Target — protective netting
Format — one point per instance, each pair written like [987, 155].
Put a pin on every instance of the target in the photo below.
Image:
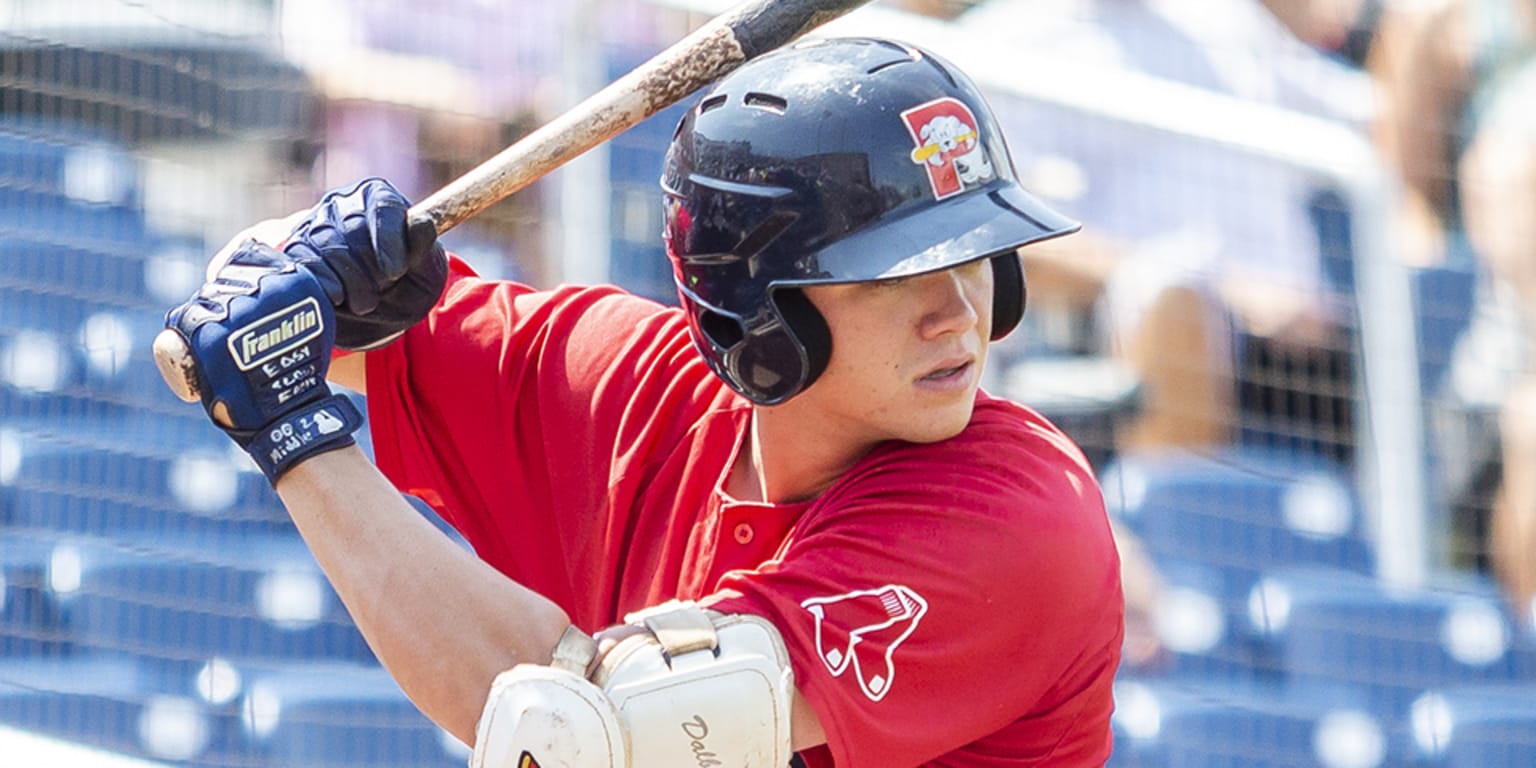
[1301, 421]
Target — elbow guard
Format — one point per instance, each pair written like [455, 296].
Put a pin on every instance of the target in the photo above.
[696, 689]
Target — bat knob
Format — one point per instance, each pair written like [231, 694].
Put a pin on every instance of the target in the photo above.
[175, 362]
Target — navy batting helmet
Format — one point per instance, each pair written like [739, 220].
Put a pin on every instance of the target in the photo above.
[835, 161]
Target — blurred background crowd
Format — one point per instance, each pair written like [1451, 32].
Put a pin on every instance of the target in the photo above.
[1294, 337]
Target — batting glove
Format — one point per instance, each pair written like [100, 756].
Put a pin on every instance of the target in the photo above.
[260, 333]
[382, 273]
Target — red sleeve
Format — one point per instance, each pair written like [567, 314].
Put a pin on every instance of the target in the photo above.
[512, 410]
[954, 604]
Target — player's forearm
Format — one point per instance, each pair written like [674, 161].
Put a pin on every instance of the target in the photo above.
[443, 622]
[350, 371]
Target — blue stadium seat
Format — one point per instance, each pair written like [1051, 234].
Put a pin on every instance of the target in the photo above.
[114, 351]
[71, 504]
[112, 703]
[65, 160]
[178, 602]
[61, 262]
[47, 391]
[28, 309]
[1393, 643]
[1257, 725]
[139, 471]
[111, 275]
[1477, 726]
[32, 156]
[1239, 510]
[1200, 625]
[35, 217]
[341, 715]
[37, 371]
[30, 621]
[62, 358]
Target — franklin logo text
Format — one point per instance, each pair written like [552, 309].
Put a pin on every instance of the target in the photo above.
[276, 334]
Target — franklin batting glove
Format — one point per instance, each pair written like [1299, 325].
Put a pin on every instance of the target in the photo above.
[260, 333]
[381, 273]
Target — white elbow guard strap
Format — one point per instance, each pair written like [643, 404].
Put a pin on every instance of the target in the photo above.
[697, 689]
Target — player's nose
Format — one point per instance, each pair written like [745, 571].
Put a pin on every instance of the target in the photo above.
[949, 302]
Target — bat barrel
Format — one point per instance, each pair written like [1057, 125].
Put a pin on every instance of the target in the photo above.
[760, 27]
[725, 43]
[720, 46]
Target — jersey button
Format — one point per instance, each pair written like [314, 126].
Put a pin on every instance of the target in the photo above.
[743, 533]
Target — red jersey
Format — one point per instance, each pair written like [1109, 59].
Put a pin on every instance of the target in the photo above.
[955, 603]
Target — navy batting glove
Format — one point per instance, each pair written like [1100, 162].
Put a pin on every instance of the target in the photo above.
[261, 334]
[382, 273]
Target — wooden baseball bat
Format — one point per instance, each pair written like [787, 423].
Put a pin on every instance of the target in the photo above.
[724, 43]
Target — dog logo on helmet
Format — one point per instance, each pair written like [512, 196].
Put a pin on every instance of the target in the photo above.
[949, 146]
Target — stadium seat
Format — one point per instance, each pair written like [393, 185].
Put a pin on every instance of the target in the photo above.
[30, 623]
[1238, 510]
[64, 357]
[114, 352]
[113, 704]
[111, 275]
[36, 370]
[45, 390]
[23, 309]
[1257, 725]
[57, 352]
[73, 243]
[73, 505]
[135, 472]
[341, 715]
[1395, 644]
[61, 159]
[180, 602]
[35, 217]
[1201, 625]
[1478, 726]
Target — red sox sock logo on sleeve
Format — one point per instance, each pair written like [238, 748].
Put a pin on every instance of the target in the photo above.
[949, 145]
[861, 630]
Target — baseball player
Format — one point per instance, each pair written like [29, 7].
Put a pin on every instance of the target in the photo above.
[779, 524]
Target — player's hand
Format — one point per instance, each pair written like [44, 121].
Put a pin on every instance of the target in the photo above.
[381, 273]
[260, 332]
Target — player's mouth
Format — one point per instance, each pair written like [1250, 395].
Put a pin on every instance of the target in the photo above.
[951, 374]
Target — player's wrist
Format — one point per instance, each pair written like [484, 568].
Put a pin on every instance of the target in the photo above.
[322, 425]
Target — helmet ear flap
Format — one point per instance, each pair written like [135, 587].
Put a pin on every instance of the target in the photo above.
[808, 327]
[1009, 293]
[768, 365]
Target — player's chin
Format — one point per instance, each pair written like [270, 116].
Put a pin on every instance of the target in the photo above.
[937, 424]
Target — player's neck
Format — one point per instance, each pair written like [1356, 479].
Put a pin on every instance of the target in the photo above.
[782, 462]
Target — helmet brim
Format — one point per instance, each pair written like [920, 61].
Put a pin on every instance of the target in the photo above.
[965, 229]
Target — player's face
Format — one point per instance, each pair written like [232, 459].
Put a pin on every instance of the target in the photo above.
[906, 354]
